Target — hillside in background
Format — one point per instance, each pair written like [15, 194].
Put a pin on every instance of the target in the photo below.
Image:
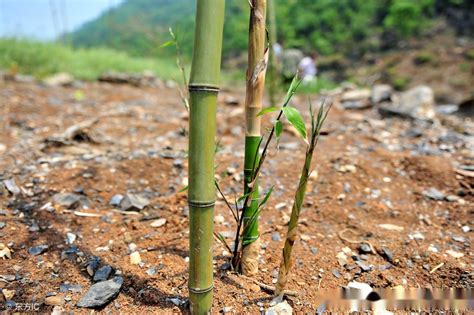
[348, 27]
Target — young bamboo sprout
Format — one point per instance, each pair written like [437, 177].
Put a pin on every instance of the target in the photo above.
[295, 119]
[203, 88]
[257, 65]
[292, 233]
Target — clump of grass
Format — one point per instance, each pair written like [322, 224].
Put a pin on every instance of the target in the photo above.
[423, 58]
[469, 54]
[43, 59]
[400, 83]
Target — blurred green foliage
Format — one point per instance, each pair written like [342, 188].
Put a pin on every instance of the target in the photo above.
[43, 59]
[328, 26]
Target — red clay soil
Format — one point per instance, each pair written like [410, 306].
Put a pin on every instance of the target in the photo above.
[367, 173]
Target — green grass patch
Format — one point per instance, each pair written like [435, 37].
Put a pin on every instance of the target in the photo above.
[43, 59]
[321, 83]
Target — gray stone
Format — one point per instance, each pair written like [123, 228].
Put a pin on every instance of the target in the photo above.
[92, 265]
[336, 273]
[276, 236]
[116, 200]
[38, 250]
[447, 109]
[11, 186]
[2, 225]
[364, 267]
[290, 60]
[101, 293]
[70, 201]
[356, 99]
[133, 202]
[434, 194]
[151, 271]
[365, 248]
[460, 239]
[103, 273]
[386, 253]
[416, 103]
[381, 93]
[74, 288]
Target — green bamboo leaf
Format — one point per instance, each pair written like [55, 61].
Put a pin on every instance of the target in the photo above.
[173, 36]
[184, 189]
[265, 199]
[268, 110]
[242, 198]
[167, 44]
[295, 119]
[295, 83]
[278, 129]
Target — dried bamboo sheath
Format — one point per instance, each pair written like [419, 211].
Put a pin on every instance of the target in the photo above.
[257, 64]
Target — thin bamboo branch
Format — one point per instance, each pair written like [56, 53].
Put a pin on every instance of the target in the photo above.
[235, 215]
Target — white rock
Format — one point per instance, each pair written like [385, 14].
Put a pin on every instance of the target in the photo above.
[391, 227]
[418, 102]
[219, 219]
[381, 92]
[417, 236]
[135, 258]
[355, 95]
[454, 253]
[280, 309]
[280, 206]
[158, 223]
[466, 229]
[5, 252]
[59, 79]
[132, 247]
[364, 288]
[71, 237]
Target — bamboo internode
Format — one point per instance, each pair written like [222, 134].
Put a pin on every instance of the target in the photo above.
[203, 88]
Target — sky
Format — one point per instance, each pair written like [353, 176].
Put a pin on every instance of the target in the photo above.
[46, 19]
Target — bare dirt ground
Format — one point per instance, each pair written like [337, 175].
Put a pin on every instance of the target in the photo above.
[369, 183]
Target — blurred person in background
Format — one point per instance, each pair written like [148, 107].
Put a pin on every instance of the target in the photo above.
[307, 68]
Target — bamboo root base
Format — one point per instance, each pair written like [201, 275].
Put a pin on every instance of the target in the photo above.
[250, 255]
[270, 288]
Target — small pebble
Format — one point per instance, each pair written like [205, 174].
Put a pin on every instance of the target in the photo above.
[135, 258]
[276, 236]
[38, 250]
[158, 223]
[71, 238]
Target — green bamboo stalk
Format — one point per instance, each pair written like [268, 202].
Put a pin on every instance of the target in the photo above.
[257, 64]
[292, 233]
[203, 88]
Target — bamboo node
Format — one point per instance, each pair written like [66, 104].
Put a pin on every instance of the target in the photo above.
[203, 88]
[199, 290]
[201, 204]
